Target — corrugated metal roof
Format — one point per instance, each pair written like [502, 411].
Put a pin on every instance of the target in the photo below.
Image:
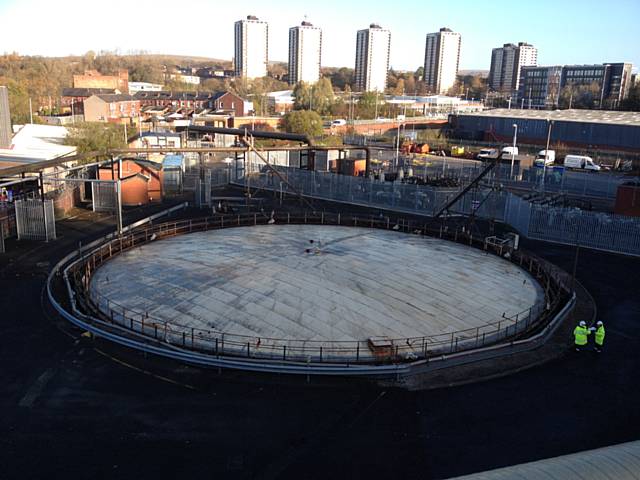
[620, 462]
[173, 161]
[586, 116]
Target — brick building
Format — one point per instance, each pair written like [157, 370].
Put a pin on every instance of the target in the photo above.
[215, 102]
[94, 79]
[141, 182]
[115, 108]
[75, 97]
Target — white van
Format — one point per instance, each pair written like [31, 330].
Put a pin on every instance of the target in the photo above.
[509, 151]
[487, 153]
[580, 162]
[545, 157]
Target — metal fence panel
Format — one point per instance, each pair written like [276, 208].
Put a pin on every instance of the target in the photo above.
[540, 222]
[35, 220]
[596, 230]
[172, 181]
[104, 196]
[420, 199]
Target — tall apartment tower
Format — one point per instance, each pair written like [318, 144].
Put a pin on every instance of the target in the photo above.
[251, 48]
[506, 66]
[441, 60]
[5, 118]
[305, 53]
[373, 48]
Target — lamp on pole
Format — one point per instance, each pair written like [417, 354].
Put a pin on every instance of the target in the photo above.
[513, 152]
[546, 152]
[399, 119]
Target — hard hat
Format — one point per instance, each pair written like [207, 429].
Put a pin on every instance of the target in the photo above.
[583, 324]
[599, 322]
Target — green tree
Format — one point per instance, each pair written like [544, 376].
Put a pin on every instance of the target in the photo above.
[318, 97]
[473, 86]
[96, 137]
[340, 78]
[632, 102]
[18, 101]
[366, 106]
[302, 96]
[303, 122]
[400, 87]
[580, 96]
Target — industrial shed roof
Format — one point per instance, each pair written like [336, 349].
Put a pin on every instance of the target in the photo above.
[586, 116]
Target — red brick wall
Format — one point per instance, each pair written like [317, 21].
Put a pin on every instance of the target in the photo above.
[129, 167]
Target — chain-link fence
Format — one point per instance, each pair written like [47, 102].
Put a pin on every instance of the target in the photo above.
[536, 221]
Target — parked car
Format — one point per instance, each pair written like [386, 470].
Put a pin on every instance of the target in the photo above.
[340, 122]
[581, 162]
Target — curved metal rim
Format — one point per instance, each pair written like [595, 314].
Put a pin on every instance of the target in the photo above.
[147, 344]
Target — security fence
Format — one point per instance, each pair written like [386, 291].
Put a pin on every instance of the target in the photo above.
[553, 179]
[569, 226]
[35, 220]
[109, 312]
[104, 196]
[396, 196]
[601, 231]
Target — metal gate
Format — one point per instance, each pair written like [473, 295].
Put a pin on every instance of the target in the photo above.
[35, 220]
[172, 181]
[105, 197]
[203, 190]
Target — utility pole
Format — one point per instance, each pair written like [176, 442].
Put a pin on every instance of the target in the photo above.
[546, 152]
[513, 152]
[30, 112]
[376, 115]
[119, 202]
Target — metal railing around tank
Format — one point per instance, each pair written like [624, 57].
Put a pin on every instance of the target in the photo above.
[384, 351]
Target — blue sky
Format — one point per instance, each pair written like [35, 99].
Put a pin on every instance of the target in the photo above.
[565, 31]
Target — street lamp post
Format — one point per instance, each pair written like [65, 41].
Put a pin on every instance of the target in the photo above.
[546, 152]
[376, 116]
[397, 159]
[513, 152]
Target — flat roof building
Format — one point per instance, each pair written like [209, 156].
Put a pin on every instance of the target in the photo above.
[612, 81]
[603, 129]
[251, 48]
[597, 86]
[441, 60]
[373, 48]
[540, 87]
[305, 53]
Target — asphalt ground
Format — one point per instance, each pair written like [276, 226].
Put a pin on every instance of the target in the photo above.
[73, 408]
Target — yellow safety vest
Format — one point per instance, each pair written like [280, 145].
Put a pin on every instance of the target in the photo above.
[580, 334]
[600, 335]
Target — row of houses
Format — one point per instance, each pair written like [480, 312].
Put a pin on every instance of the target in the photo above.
[109, 105]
